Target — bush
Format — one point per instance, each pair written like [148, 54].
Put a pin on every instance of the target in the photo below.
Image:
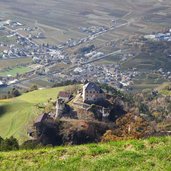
[144, 108]
[31, 144]
[9, 144]
[33, 88]
[13, 93]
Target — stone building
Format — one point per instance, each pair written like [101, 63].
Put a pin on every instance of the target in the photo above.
[62, 99]
[66, 96]
[92, 93]
[60, 106]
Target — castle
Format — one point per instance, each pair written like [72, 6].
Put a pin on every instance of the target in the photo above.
[92, 93]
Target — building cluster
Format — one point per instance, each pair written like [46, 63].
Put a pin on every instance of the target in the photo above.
[18, 42]
[93, 29]
[165, 36]
[105, 74]
[7, 81]
[47, 56]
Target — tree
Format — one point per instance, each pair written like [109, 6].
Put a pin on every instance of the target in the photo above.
[15, 92]
[1, 139]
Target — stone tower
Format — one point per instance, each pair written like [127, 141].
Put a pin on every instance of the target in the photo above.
[60, 105]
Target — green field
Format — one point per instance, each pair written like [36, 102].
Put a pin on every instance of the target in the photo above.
[15, 71]
[17, 114]
[10, 63]
[165, 92]
[5, 39]
[140, 155]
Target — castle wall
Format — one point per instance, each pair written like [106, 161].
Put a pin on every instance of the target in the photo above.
[92, 96]
[60, 106]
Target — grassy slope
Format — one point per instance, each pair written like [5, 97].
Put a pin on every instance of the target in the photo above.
[151, 154]
[16, 114]
[163, 89]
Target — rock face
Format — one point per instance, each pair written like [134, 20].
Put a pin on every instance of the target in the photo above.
[66, 132]
[75, 132]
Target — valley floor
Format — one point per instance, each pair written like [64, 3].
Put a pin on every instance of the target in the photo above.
[150, 154]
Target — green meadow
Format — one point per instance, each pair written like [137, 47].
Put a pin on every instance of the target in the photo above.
[134, 155]
[16, 115]
[15, 71]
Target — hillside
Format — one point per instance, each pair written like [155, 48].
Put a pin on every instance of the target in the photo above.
[151, 154]
[16, 114]
[151, 56]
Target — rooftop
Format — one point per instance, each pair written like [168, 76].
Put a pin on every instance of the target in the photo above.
[64, 94]
[92, 86]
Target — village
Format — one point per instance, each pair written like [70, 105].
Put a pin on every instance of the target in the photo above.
[46, 56]
[79, 65]
[160, 36]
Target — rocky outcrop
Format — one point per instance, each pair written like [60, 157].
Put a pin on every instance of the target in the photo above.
[65, 132]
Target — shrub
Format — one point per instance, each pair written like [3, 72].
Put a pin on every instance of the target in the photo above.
[33, 87]
[9, 144]
[31, 144]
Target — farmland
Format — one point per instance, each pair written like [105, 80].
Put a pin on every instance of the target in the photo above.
[61, 19]
[14, 71]
[13, 62]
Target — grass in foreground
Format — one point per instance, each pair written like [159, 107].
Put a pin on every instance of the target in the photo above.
[16, 114]
[151, 154]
